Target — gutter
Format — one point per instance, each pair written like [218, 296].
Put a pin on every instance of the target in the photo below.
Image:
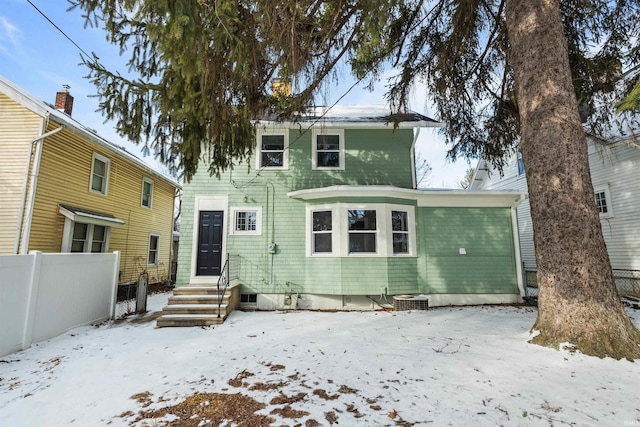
[36, 167]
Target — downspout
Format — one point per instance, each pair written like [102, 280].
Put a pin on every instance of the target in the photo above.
[414, 179]
[516, 242]
[17, 247]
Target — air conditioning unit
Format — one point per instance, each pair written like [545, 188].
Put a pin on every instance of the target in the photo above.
[410, 302]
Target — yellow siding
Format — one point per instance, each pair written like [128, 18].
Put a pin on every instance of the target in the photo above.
[18, 126]
[64, 178]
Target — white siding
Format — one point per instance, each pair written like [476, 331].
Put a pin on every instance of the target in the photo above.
[618, 167]
[614, 166]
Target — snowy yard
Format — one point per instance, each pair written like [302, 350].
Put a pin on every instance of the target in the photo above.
[447, 366]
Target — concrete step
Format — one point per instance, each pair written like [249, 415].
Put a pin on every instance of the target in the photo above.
[197, 299]
[194, 309]
[187, 320]
[196, 290]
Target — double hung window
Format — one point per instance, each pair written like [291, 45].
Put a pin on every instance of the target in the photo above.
[154, 250]
[328, 149]
[400, 232]
[322, 228]
[147, 193]
[272, 150]
[99, 174]
[89, 237]
[362, 230]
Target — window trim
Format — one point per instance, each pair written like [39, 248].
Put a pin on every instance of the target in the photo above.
[314, 233]
[149, 181]
[249, 296]
[314, 148]
[107, 162]
[257, 209]
[520, 164]
[375, 232]
[607, 196]
[285, 151]
[340, 230]
[157, 250]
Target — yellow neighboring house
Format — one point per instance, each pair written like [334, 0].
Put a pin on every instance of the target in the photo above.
[63, 188]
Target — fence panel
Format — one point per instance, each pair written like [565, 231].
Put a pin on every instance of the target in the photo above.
[78, 290]
[44, 295]
[14, 296]
[627, 282]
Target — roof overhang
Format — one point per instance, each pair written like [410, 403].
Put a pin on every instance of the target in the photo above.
[423, 198]
[348, 125]
[87, 216]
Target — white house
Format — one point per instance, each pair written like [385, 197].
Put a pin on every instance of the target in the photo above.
[615, 173]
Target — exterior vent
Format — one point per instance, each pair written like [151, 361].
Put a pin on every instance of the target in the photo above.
[410, 302]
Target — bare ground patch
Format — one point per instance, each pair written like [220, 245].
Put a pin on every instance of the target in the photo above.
[212, 409]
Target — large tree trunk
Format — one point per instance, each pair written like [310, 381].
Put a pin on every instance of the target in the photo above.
[578, 302]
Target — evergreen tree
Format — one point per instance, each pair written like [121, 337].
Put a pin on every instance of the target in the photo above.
[497, 70]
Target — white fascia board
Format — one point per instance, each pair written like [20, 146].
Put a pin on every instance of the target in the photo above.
[348, 125]
[424, 198]
[84, 217]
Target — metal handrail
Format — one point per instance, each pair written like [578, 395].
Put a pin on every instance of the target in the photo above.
[224, 278]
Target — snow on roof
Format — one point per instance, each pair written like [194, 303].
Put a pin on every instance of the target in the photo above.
[44, 109]
[366, 114]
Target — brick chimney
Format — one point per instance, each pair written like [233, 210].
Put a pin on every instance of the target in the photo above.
[281, 87]
[64, 100]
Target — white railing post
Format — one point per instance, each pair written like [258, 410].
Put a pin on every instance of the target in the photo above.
[116, 277]
[32, 300]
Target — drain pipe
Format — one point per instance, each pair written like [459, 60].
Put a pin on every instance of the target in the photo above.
[414, 178]
[32, 189]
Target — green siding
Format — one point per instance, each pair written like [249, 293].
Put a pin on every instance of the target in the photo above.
[374, 157]
[485, 233]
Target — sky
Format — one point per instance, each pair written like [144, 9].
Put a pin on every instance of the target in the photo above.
[40, 59]
[456, 366]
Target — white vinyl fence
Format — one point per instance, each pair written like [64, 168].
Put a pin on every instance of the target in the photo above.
[43, 295]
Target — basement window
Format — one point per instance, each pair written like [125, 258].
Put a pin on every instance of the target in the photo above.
[249, 298]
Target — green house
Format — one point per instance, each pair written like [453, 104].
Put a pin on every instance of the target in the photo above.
[326, 216]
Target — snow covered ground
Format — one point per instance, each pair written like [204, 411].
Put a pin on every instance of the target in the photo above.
[446, 366]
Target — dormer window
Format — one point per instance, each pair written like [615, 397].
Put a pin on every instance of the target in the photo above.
[273, 150]
[328, 149]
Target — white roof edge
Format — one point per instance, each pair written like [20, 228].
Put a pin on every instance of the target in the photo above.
[348, 125]
[455, 196]
[40, 108]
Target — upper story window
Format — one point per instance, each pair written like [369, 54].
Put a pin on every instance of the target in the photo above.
[603, 201]
[521, 170]
[99, 174]
[328, 149]
[147, 193]
[273, 150]
[247, 220]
